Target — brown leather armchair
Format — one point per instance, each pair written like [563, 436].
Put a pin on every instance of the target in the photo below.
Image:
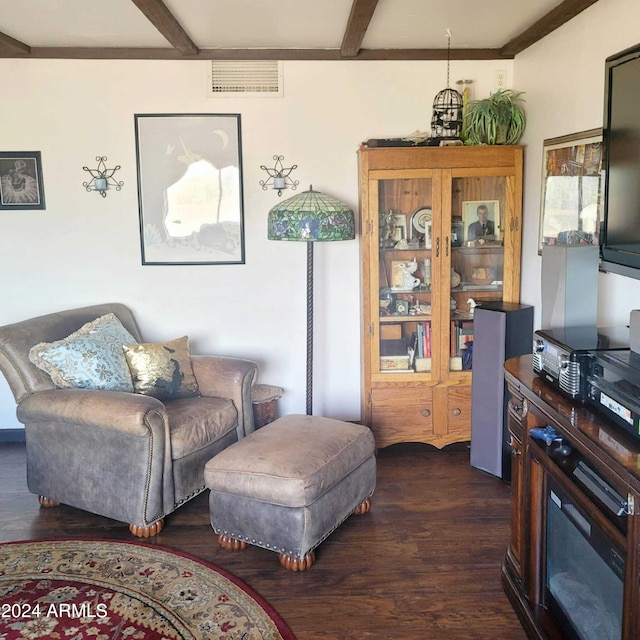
[122, 455]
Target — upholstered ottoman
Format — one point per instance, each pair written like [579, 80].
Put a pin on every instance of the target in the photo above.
[287, 486]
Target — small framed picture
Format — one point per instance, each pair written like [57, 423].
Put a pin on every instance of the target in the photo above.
[397, 274]
[402, 307]
[21, 185]
[481, 220]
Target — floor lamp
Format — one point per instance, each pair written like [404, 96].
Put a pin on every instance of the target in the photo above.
[311, 217]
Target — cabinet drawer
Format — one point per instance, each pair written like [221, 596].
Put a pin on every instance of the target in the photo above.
[459, 410]
[401, 414]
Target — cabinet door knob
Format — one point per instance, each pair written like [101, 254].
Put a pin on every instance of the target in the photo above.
[457, 412]
[426, 413]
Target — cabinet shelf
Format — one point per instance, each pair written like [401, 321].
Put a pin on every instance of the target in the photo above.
[431, 406]
[391, 319]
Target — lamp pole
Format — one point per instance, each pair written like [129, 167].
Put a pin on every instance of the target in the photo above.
[310, 328]
[309, 217]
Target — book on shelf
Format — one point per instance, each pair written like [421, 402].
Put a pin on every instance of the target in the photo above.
[461, 334]
[423, 331]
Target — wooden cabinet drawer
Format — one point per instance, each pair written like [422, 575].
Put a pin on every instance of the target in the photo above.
[459, 413]
[401, 414]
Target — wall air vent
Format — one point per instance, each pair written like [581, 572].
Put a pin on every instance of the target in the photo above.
[245, 78]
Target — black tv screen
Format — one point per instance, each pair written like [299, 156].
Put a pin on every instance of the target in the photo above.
[621, 136]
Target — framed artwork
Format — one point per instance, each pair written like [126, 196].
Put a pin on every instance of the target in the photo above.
[21, 185]
[481, 220]
[571, 182]
[190, 194]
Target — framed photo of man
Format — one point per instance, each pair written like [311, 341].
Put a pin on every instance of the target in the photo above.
[481, 220]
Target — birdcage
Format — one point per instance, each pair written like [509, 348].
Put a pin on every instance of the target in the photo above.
[446, 121]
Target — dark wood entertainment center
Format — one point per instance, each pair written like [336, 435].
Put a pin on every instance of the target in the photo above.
[605, 448]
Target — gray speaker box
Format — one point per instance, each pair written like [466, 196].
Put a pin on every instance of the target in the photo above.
[569, 286]
[501, 330]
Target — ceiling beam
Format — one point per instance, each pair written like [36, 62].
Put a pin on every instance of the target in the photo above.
[564, 12]
[359, 19]
[124, 53]
[13, 45]
[162, 19]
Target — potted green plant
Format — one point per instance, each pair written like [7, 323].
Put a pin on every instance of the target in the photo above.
[498, 119]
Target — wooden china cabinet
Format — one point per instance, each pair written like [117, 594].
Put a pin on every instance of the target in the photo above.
[422, 273]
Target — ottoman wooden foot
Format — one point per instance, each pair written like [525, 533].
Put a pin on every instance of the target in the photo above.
[231, 544]
[48, 502]
[293, 563]
[363, 507]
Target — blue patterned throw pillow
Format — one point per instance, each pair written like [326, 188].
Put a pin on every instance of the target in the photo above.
[90, 358]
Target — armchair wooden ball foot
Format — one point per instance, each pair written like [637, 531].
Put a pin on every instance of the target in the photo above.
[47, 502]
[293, 563]
[363, 507]
[231, 544]
[148, 531]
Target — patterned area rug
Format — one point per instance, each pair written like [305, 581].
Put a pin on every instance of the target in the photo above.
[107, 590]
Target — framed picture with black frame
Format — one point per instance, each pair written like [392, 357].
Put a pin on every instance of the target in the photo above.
[21, 184]
[190, 194]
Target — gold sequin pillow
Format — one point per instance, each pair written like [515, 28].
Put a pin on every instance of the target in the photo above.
[162, 369]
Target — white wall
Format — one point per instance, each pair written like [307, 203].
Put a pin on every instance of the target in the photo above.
[85, 249]
[563, 76]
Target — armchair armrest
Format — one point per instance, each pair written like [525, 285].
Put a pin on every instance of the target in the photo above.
[107, 452]
[227, 377]
[126, 412]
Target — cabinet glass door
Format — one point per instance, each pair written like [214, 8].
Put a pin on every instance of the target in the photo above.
[480, 215]
[407, 216]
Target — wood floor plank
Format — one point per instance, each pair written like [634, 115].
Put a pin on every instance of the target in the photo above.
[423, 564]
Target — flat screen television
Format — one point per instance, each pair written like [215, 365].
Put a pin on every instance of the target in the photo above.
[620, 245]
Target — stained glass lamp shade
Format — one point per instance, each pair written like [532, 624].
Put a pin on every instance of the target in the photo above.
[311, 217]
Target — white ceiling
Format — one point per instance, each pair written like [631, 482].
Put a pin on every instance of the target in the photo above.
[284, 24]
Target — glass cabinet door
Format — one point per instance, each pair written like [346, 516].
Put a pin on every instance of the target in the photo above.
[408, 290]
[480, 219]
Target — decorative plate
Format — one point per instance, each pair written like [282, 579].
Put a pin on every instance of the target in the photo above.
[420, 217]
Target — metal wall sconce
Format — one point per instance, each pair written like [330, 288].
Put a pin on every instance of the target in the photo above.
[102, 178]
[279, 176]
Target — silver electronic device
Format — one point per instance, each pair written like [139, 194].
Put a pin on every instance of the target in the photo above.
[562, 356]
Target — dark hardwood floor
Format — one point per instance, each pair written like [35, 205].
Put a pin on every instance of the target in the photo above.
[423, 564]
